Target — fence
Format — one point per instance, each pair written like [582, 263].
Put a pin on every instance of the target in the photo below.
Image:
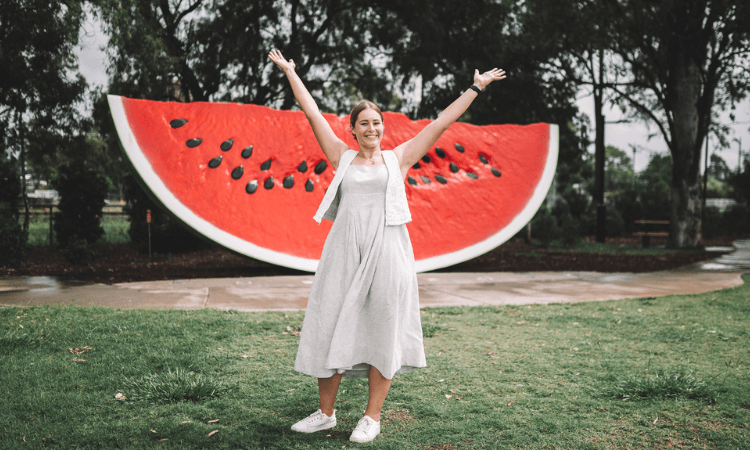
[39, 214]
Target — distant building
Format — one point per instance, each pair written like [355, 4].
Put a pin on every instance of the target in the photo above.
[722, 204]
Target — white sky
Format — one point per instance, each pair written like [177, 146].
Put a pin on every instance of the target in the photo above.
[92, 64]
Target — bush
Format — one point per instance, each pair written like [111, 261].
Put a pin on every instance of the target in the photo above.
[77, 251]
[544, 227]
[78, 224]
[168, 234]
[12, 236]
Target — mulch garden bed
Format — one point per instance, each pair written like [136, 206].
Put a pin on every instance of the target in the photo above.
[118, 263]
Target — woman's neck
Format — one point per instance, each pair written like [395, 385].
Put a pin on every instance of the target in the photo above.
[369, 153]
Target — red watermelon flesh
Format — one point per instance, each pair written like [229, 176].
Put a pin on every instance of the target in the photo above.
[472, 191]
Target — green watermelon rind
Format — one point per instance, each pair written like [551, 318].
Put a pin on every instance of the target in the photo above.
[228, 240]
[510, 230]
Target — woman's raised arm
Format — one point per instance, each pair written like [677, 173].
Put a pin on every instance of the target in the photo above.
[332, 146]
[412, 150]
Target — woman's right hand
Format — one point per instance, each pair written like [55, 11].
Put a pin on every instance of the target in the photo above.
[278, 59]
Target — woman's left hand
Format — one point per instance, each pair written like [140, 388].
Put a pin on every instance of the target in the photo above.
[483, 79]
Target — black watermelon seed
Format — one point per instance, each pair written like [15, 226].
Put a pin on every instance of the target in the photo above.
[416, 166]
[302, 167]
[266, 165]
[251, 187]
[454, 168]
[496, 172]
[441, 179]
[459, 148]
[177, 123]
[237, 173]
[268, 184]
[440, 152]
[226, 145]
[472, 175]
[247, 152]
[214, 163]
[425, 180]
[309, 186]
[483, 159]
[194, 142]
[288, 182]
[426, 158]
[411, 180]
[320, 167]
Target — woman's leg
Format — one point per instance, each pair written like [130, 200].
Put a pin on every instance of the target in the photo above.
[327, 388]
[379, 386]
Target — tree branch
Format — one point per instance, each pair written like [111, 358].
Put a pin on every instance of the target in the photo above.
[648, 112]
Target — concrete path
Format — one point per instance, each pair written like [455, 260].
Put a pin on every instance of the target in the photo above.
[435, 289]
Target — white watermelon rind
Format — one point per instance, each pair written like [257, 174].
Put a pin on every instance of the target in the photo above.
[518, 222]
[165, 196]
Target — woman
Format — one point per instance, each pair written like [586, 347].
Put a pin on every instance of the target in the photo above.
[362, 317]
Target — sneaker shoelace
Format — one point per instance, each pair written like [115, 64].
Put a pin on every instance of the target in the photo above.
[366, 424]
[315, 418]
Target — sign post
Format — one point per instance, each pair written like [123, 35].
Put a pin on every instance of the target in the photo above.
[148, 221]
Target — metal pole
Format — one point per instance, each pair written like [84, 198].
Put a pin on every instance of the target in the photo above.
[148, 221]
[50, 224]
[599, 155]
[705, 175]
[633, 147]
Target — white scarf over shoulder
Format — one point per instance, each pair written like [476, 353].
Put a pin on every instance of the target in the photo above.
[396, 206]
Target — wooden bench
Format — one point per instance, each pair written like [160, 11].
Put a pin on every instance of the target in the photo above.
[651, 228]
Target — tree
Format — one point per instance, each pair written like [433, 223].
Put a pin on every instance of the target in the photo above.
[78, 224]
[683, 60]
[619, 170]
[434, 50]
[719, 168]
[218, 51]
[39, 82]
[12, 237]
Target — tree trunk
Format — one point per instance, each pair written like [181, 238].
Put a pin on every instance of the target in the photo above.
[687, 137]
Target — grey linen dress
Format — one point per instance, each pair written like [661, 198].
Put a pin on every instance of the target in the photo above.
[363, 307]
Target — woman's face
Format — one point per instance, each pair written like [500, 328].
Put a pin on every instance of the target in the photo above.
[369, 129]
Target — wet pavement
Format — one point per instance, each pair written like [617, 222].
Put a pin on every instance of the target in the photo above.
[435, 289]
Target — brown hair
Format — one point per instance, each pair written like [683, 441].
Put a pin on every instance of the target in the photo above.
[358, 108]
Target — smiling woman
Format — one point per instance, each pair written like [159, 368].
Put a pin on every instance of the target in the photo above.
[362, 317]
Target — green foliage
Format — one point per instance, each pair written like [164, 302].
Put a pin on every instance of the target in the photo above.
[40, 86]
[669, 384]
[10, 184]
[718, 168]
[740, 183]
[180, 385]
[618, 170]
[77, 250]
[12, 236]
[735, 221]
[168, 234]
[650, 200]
[544, 227]
[78, 223]
[717, 188]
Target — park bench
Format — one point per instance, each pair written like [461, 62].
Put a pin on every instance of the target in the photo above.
[649, 228]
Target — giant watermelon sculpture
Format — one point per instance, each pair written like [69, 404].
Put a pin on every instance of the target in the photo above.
[251, 178]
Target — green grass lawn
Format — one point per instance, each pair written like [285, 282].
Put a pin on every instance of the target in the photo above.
[668, 372]
[609, 249]
[115, 230]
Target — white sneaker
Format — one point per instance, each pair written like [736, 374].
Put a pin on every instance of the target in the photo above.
[315, 422]
[366, 430]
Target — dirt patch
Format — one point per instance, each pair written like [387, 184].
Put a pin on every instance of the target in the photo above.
[119, 263]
